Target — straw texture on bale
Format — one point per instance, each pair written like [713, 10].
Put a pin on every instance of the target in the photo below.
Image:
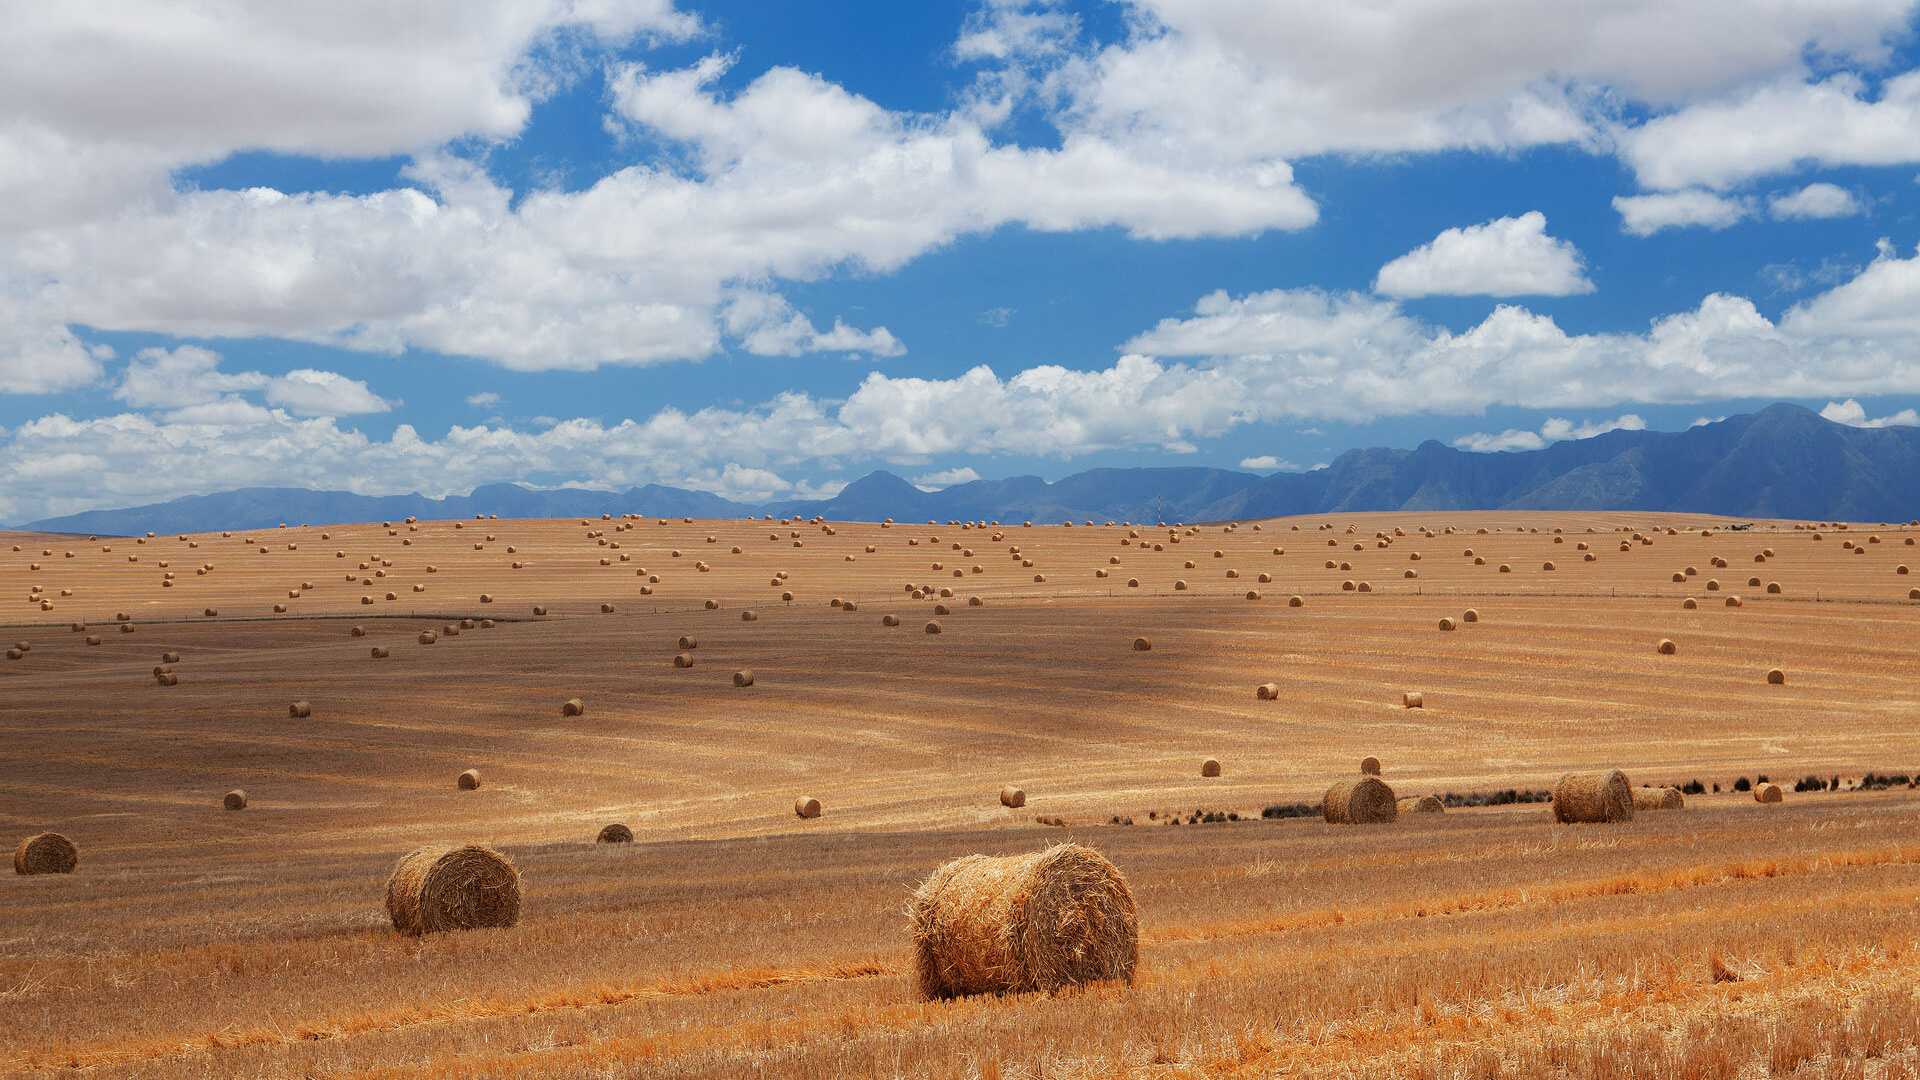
[1210, 767]
[1363, 800]
[1267, 691]
[987, 924]
[1766, 793]
[806, 807]
[1658, 798]
[235, 800]
[1593, 797]
[689, 643]
[470, 780]
[45, 853]
[743, 677]
[434, 889]
[1413, 699]
[615, 833]
[1013, 797]
[683, 660]
[1421, 804]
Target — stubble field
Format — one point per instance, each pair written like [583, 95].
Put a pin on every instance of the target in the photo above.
[734, 939]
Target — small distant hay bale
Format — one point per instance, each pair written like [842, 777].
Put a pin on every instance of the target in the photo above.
[743, 677]
[975, 601]
[573, 707]
[848, 606]
[126, 628]
[235, 800]
[1766, 793]
[1470, 615]
[1446, 623]
[169, 657]
[1210, 767]
[1546, 566]
[45, 853]
[1413, 699]
[358, 631]
[1505, 569]
[1420, 804]
[941, 609]
[806, 807]
[1776, 677]
[1013, 797]
[428, 637]
[211, 612]
[1141, 644]
[1658, 798]
[1133, 583]
[299, 710]
[1593, 797]
[1362, 800]
[1690, 603]
[683, 660]
[1180, 586]
[435, 889]
[1295, 601]
[380, 652]
[1267, 691]
[933, 628]
[889, 620]
[93, 639]
[1370, 765]
[165, 678]
[1666, 647]
[537, 611]
[1733, 601]
[469, 780]
[987, 924]
[1773, 588]
[711, 605]
[1713, 584]
[615, 833]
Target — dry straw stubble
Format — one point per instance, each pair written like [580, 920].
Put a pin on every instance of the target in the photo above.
[1013, 923]
[453, 888]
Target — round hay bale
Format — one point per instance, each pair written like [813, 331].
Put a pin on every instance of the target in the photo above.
[434, 889]
[380, 652]
[126, 628]
[1733, 601]
[1446, 624]
[299, 710]
[1133, 583]
[615, 833]
[235, 800]
[1013, 797]
[1362, 800]
[1546, 566]
[537, 611]
[1773, 588]
[1295, 601]
[358, 631]
[469, 780]
[211, 613]
[169, 657]
[1253, 594]
[743, 677]
[1413, 699]
[428, 637]
[848, 606]
[93, 639]
[806, 807]
[1690, 603]
[711, 605]
[749, 616]
[1267, 691]
[573, 707]
[1210, 767]
[1141, 644]
[1180, 586]
[933, 628]
[889, 620]
[683, 660]
[1658, 798]
[1593, 797]
[1420, 804]
[1776, 677]
[1666, 647]
[167, 678]
[995, 924]
[1370, 765]
[689, 643]
[1470, 615]
[1766, 793]
[45, 853]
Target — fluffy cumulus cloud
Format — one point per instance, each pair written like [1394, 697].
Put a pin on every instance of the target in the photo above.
[1644, 215]
[189, 377]
[1853, 413]
[1510, 256]
[1819, 200]
[945, 478]
[1556, 429]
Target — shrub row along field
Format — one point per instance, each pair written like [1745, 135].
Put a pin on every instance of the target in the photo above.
[736, 939]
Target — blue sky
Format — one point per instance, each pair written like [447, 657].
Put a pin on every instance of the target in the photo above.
[763, 248]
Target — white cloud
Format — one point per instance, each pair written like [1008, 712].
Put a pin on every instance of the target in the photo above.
[1265, 463]
[1644, 215]
[1819, 200]
[1554, 429]
[1776, 128]
[1510, 439]
[1509, 256]
[306, 392]
[1854, 414]
[189, 377]
[767, 325]
[934, 481]
[485, 399]
[1703, 421]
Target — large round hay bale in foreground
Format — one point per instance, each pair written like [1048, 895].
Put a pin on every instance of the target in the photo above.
[1766, 793]
[45, 853]
[1012, 797]
[235, 800]
[1658, 798]
[1420, 804]
[1593, 797]
[434, 889]
[996, 924]
[470, 780]
[1210, 767]
[615, 833]
[806, 807]
[1363, 800]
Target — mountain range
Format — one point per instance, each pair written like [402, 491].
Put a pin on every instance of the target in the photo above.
[1783, 461]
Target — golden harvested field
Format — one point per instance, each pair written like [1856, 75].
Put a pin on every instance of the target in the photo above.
[734, 939]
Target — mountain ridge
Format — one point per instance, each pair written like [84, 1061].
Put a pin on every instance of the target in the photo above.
[1783, 461]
